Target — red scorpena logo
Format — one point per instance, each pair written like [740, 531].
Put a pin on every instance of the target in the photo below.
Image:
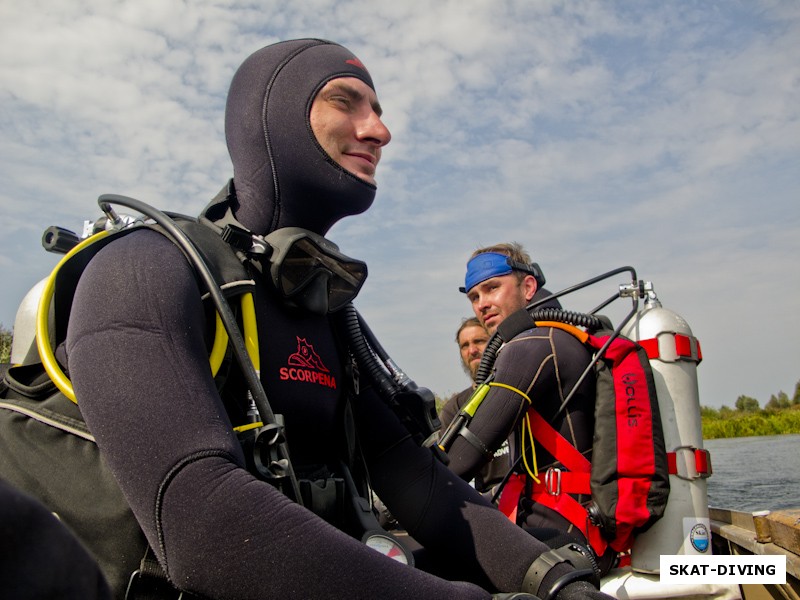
[306, 365]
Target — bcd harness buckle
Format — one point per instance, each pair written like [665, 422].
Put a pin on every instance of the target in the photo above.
[672, 346]
[689, 463]
[552, 481]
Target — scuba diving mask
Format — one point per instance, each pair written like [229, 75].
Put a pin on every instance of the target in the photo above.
[309, 272]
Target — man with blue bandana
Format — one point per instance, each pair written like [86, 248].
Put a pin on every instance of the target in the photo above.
[538, 368]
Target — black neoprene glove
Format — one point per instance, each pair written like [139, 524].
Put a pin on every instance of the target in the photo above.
[566, 573]
[581, 590]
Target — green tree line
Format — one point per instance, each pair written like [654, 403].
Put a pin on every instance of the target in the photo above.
[781, 414]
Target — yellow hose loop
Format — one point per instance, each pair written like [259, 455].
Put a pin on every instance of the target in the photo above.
[534, 474]
[512, 388]
[46, 354]
[526, 427]
[48, 358]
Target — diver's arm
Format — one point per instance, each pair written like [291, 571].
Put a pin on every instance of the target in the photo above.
[521, 372]
[139, 365]
[438, 508]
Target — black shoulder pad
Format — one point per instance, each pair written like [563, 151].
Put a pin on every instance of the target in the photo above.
[221, 258]
[514, 324]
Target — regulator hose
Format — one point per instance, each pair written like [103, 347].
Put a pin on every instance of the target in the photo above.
[365, 357]
[413, 405]
[522, 320]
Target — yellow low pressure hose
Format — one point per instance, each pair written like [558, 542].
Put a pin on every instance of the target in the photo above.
[251, 330]
[58, 376]
[219, 347]
[43, 322]
[251, 344]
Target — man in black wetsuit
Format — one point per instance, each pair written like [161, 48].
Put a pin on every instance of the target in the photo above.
[538, 368]
[304, 132]
[471, 338]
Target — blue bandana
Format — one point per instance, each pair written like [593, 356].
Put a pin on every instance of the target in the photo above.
[485, 266]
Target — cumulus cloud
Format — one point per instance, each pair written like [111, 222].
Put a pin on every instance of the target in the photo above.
[662, 135]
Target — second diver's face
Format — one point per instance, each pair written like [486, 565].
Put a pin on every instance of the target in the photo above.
[498, 297]
[472, 341]
[346, 120]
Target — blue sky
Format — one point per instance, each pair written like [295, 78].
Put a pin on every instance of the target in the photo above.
[663, 135]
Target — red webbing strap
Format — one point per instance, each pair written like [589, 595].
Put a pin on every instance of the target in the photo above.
[563, 504]
[509, 499]
[557, 445]
[702, 460]
[686, 348]
[575, 481]
[575, 513]
[556, 481]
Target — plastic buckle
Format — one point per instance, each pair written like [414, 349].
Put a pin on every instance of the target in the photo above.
[702, 458]
[552, 481]
[689, 463]
[239, 238]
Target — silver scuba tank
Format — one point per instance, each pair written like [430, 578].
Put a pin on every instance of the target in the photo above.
[23, 345]
[674, 355]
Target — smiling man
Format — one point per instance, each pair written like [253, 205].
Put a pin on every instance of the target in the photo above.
[304, 133]
[346, 120]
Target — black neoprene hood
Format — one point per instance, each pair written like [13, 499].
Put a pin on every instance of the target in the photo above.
[282, 175]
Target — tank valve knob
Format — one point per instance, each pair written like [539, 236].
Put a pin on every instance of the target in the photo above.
[59, 240]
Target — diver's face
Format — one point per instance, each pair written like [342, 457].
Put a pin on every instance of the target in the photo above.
[472, 341]
[494, 299]
[346, 120]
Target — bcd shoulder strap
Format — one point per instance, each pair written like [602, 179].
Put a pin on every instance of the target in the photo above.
[46, 449]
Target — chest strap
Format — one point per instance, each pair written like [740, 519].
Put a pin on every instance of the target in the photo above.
[554, 490]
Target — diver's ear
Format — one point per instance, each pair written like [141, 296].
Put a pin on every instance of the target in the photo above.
[529, 287]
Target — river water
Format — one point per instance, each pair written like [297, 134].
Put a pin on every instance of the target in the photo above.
[755, 473]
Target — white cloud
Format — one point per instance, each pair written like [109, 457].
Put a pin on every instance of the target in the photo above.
[663, 135]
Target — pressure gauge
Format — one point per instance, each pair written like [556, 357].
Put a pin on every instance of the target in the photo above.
[387, 545]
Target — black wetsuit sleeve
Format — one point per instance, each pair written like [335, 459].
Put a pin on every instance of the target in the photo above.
[537, 368]
[439, 509]
[139, 364]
